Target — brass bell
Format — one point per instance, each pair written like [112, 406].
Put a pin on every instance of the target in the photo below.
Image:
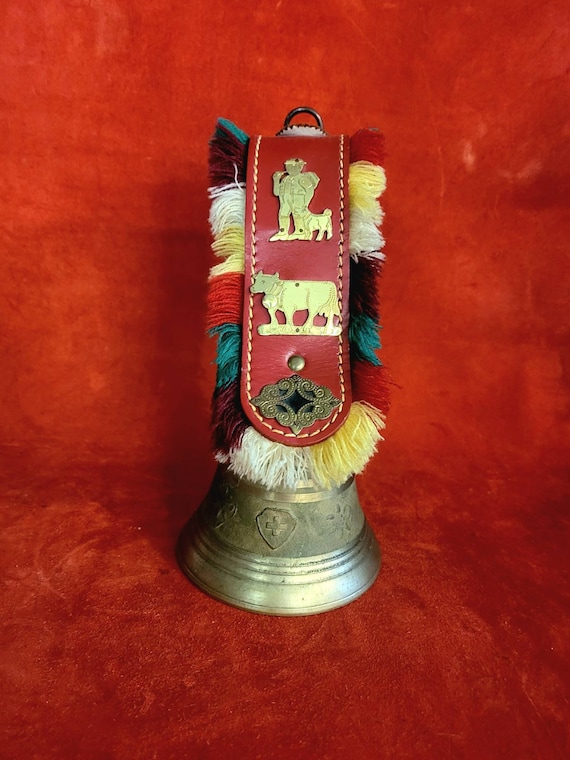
[296, 552]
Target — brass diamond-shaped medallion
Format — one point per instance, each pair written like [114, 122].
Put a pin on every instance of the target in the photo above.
[296, 402]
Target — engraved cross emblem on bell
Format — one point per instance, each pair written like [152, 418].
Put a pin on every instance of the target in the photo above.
[275, 526]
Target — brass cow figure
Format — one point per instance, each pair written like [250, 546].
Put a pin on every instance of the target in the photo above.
[289, 296]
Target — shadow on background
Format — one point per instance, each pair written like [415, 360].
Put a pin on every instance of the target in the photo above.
[183, 375]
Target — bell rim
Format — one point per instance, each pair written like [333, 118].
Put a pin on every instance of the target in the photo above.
[324, 573]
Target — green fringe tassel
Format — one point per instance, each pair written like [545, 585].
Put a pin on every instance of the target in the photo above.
[228, 355]
[364, 339]
[236, 131]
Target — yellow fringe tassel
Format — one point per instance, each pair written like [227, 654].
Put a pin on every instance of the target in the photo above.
[229, 241]
[366, 183]
[234, 263]
[347, 452]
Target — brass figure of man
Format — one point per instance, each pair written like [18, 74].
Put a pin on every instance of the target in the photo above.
[295, 190]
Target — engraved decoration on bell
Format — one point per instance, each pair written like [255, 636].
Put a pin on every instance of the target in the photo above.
[224, 514]
[275, 526]
[295, 189]
[319, 299]
[340, 520]
[296, 402]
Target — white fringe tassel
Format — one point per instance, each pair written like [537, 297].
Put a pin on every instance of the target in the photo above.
[227, 222]
[227, 208]
[270, 464]
[366, 240]
[327, 464]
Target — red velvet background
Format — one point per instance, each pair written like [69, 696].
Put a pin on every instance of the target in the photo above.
[461, 649]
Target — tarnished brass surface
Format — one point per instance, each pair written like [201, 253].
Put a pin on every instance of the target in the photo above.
[289, 553]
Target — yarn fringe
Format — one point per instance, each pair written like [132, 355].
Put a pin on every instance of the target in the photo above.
[327, 464]
[229, 422]
[228, 354]
[248, 453]
[364, 338]
[227, 209]
[225, 300]
[364, 276]
[371, 384]
[366, 184]
[368, 145]
[227, 161]
[348, 451]
[366, 240]
[228, 154]
[233, 264]
[270, 464]
[229, 126]
[229, 241]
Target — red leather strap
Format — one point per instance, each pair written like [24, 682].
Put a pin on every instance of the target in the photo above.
[298, 274]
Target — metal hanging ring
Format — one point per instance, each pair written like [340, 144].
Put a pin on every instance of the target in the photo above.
[303, 109]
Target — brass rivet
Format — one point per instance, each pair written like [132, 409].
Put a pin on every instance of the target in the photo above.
[296, 363]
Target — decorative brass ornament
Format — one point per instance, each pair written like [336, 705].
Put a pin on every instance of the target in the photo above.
[295, 402]
[295, 190]
[290, 296]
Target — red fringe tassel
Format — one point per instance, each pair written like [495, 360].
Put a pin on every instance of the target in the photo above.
[364, 275]
[229, 423]
[368, 145]
[371, 384]
[228, 157]
[225, 300]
